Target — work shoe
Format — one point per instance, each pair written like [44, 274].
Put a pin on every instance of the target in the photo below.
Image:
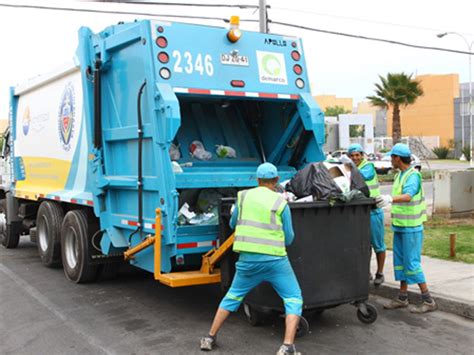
[287, 350]
[396, 303]
[425, 307]
[379, 279]
[207, 343]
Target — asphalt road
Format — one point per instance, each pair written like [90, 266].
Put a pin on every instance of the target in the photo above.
[42, 313]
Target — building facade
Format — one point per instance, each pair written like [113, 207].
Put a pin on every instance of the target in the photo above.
[433, 113]
[461, 113]
[325, 101]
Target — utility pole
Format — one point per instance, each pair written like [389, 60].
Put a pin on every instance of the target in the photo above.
[262, 18]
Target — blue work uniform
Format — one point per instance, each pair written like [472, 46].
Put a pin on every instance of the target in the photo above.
[255, 268]
[377, 232]
[408, 242]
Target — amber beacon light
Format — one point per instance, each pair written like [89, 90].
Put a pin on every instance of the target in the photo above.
[234, 33]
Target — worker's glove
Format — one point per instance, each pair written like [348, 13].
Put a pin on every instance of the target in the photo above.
[383, 201]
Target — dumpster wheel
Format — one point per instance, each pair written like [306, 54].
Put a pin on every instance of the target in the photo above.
[253, 317]
[303, 328]
[367, 313]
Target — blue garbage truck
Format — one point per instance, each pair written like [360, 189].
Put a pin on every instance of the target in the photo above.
[122, 154]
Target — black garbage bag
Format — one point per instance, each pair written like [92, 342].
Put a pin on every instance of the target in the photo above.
[314, 180]
[358, 182]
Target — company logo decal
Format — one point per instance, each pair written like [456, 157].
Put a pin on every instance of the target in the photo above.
[271, 68]
[26, 120]
[67, 113]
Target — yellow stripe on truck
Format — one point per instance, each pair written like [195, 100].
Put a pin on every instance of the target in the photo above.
[42, 176]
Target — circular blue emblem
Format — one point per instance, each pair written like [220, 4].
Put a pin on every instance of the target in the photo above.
[67, 113]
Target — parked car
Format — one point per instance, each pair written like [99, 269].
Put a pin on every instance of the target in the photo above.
[384, 165]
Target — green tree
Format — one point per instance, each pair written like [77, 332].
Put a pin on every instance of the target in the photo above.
[334, 111]
[394, 91]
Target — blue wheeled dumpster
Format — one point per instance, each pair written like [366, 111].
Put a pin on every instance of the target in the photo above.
[330, 257]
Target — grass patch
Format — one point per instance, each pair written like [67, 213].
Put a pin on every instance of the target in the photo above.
[436, 239]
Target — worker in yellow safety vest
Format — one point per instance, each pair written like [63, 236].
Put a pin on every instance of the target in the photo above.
[263, 229]
[377, 233]
[408, 215]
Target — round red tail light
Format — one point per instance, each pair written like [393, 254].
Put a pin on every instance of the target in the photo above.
[163, 57]
[296, 55]
[297, 69]
[162, 42]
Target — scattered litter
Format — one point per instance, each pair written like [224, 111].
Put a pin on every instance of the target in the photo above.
[184, 214]
[306, 199]
[223, 151]
[203, 218]
[198, 151]
[176, 167]
[175, 154]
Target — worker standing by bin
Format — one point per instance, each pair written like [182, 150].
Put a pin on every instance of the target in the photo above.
[408, 215]
[263, 227]
[377, 234]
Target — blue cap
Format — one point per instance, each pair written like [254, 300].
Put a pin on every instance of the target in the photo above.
[355, 147]
[267, 171]
[400, 149]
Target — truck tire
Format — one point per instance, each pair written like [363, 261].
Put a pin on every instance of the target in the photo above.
[48, 229]
[9, 233]
[76, 248]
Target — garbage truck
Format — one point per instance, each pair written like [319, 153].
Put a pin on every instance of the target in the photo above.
[102, 153]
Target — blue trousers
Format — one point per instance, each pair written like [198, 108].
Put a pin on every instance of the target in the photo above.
[377, 232]
[407, 257]
[278, 273]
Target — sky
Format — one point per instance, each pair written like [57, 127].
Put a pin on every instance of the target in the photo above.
[36, 41]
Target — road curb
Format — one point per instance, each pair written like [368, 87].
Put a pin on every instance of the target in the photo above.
[445, 303]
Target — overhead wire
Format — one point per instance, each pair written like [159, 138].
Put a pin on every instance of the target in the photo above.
[163, 3]
[72, 9]
[344, 34]
[368, 38]
[307, 11]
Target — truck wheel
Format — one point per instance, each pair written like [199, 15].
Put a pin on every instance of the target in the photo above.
[48, 229]
[108, 271]
[76, 248]
[9, 233]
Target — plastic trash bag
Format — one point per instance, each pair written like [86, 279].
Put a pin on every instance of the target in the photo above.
[198, 151]
[223, 151]
[314, 180]
[175, 154]
[358, 182]
[352, 196]
[176, 167]
[208, 199]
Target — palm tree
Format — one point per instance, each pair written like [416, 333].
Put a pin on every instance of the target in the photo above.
[396, 90]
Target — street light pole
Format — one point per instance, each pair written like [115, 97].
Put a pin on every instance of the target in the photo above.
[471, 107]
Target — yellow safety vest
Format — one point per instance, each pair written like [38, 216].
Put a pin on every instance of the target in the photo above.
[373, 184]
[259, 226]
[408, 214]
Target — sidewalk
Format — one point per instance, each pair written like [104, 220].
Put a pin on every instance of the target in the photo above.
[451, 284]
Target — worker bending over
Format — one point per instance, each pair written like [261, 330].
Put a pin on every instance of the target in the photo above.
[263, 227]
[377, 234]
[408, 215]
